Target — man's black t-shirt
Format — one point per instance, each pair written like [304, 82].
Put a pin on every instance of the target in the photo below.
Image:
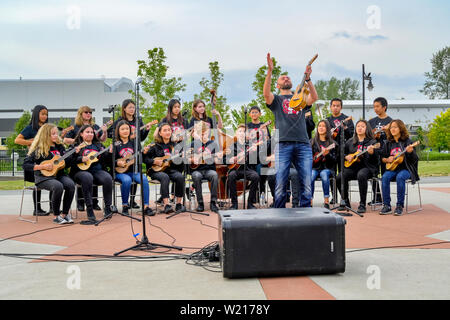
[377, 123]
[290, 123]
[336, 121]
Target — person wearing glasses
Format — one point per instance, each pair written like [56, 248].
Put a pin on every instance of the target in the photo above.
[84, 118]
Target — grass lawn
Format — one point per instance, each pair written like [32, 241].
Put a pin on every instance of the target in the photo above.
[426, 169]
[434, 168]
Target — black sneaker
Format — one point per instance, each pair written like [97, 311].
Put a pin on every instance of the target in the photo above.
[180, 208]
[125, 210]
[39, 212]
[361, 208]
[96, 207]
[213, 207]
[333, 201]
[326, 206]
[134, 205]
[80, 207]
[201, 207]
[386, 210]
[398, 210]
[159, 201]
[168, 209]
[149, 212]
[107, 213]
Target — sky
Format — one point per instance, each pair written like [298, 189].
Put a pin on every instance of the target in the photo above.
[45, 39]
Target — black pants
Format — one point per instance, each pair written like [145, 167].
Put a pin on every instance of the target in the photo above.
[165, 177]
[87, 179]
[360, 174]
[251, 175]
[213, 179]
[57, 186]
[80, 199]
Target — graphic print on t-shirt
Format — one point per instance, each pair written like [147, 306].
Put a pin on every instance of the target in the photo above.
[55, 152]
[125, 152]
[287, 109]
[395, 151]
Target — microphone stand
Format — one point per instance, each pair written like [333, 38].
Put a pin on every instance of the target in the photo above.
[113, 207]
[342, 204]
[245, 153]
[143, 243]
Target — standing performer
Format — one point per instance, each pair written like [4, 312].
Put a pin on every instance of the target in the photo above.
[94, 174]
[398, 141]
[293, 145]
[39, 117]
[199, 114]
[379, 124]
[45, 146]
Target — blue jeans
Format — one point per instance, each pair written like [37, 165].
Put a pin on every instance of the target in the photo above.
[126, 180]
[400, 177]
[301, 155]
[325, 175]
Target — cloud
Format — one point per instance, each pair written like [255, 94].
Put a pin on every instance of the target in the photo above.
[359, 38]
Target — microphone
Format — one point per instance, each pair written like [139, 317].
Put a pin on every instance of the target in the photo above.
[184, 114]
[245, 109]
[139, 80]
[111, 108]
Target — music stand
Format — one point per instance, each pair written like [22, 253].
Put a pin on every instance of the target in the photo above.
[143, 243]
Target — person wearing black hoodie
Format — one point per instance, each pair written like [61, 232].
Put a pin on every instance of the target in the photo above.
[398, 141]
[363, 169]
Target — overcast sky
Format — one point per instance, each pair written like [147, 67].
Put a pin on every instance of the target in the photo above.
[90, 39]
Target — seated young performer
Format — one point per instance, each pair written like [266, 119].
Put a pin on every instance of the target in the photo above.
[364, 168]
[323, 164]
[199, 114]
[84, 117]
[94, 174]
[176, 121]
[39, 117]
[127, 148]
[398, 141]
[163, 146]
[45, 146]
[128, 113]
[205, 154]
[235, 174]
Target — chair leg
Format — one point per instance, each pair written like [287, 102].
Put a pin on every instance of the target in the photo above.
[21, 208]
[420, 199]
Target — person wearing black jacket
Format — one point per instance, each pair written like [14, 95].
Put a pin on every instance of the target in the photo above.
[94, 174]
[45, 146]
[163, 146]
[363, 169]
[39, 117]
[398, 141]
[205, 154]
[235, 174]
[323, 166]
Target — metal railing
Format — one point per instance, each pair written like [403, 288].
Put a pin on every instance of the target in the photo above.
[11, 162]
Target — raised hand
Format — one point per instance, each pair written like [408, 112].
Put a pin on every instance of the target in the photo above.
[269, 62]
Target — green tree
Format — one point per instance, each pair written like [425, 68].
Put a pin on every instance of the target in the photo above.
[23, 121]
[437, 84]
[439, 131]
[158, 85]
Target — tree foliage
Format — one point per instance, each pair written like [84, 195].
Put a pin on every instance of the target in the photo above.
[23, 121]
[437, 84]
[439, 131]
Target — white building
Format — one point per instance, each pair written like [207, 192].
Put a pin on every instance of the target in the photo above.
[411, 112]
[62, 97]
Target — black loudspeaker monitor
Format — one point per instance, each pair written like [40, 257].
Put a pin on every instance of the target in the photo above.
[277, 242]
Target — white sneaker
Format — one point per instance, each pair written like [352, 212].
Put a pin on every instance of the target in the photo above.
[68, 218]
[59, 220]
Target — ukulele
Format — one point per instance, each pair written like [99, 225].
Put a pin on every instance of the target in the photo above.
[255, 133]
[318, 156]
[377, 132]
[93, 157]
[398, 158]
[65, 131]
[334, 131]
[205, 158]
[109, 123]
[298, 100]
[166, 161]
[153, 122]
[357, 154]
[242, 154]
[58, 162]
